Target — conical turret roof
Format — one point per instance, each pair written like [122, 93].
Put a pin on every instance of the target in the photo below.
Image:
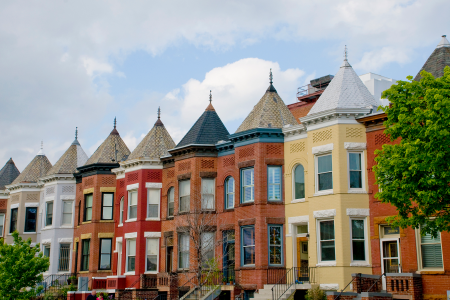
[437, 61]
[38, 167]
[269, 112]
[8, 173]
[155, 144]
[112, 150]
[346, 90]
[73, 158]
[208, 129]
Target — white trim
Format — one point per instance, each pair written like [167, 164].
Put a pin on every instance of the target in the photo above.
[46, 242]
[159, 203]
[151, 234]
[31, 204]
[152, 219]
[327, 213]
[131, 235]
[355, 146]
[134, 186]
[298, 200]
[356, 191]
[302, 220]
[153, 185]
[50, 198]
[26, 232]
[322, 149]
[67, 197]
[329, 286]
[362, 189]
[358, 212]
[65, 240]
[129, 273]
[316, 172]
[359, 263]
[119, 239]
[323, 193]
[327, 263]
[130, 220]
[15, 205]
[146, 253]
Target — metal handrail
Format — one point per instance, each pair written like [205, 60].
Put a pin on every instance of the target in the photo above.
[87, 283]
[277, 288]
[337, 297]
[384, 274]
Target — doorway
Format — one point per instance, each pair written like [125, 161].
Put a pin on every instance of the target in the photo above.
[390, 257]
[302, 259]
[169, 254]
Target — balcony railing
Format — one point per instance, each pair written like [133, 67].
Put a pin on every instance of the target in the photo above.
[309, 89]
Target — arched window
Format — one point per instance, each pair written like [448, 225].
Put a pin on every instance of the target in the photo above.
[170, 202]
[229, 192]
[121, 211]
[299, 182]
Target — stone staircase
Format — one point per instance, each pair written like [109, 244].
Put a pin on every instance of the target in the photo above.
[266, 292]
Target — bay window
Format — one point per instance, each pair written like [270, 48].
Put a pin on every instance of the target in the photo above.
[208, 193]
[132, 204]
[275, 245]
[324, 179]
[248, 245]
[183, 251]
[185, 195]
[107, 206]
[247, 185]
[327, 241]
[153, 203]
[152, 255]
[274, 183]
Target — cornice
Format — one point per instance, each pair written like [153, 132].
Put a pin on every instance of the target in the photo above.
[190, 151]
[57, 177]
[15, 188]
[257, 135]
[137, 164]
[334, 116]
[294, 132]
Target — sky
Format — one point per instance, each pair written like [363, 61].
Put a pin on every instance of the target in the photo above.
[67, 63]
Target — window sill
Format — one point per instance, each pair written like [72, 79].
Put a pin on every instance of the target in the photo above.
[169, 218]
[323, 193]
[129, 273]
[152, 219]
[106, 221]
[360, 264]
[326, 264]
[29, 232]
[298, 200]
[356, 191]
[275, 202]
[104, 271]
[120, 225]
[431, 271]
[211, 211]
[247, 267]
[183, 213]
[151, 272]
[67, 226]
[228, 209]
[86, 222]
[246, 203]
[83, 272]
[130, 220]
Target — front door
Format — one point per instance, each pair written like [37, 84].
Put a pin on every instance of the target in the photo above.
[390, 258]
[169, 259]
[228, 255]
[302, 259]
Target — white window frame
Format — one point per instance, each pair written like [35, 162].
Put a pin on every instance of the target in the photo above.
[295, 200]
[159, 204]
[121, 211]
[49, 247]
[213, 193]
[170, 191]
[157, 256]
[242, 186]
[227, 192]
[366, 243]
[179, 196]
[179, 250]
[419, 253]
[126, 257]
[319, 246]
[210, 244]
[129, 205]
[46, 213]
[71, 213]
[2, 223]
[316, 175]
[363, 178]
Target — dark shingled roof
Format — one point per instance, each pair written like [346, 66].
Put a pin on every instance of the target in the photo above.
[208, 129]
[8, 173]
[437, 61]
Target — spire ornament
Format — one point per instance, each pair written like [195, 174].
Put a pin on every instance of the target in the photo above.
[76, 133]
[271, 88]
[345, 53]
[210, 96]
[159, 112]
[115, 122]
[271, 77]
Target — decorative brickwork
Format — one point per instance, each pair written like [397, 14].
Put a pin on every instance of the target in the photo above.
[274, 149]
[154, 176]
[170, 173]
[246, 152]
[121, 183]
[323, 135]
[2, 204]
[207, 164]
[228, 161]
[132, 177]
[352, 132]
[89, 182]
[108, 181]
[184, 166]
[297, 147]
[381, 139]
[405, 284]
[15, 198]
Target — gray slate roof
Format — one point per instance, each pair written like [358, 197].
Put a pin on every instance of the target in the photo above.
[38, 167]
[68, 163]
[346, 90]
[437, 61]
[8, 173]
[105, 152]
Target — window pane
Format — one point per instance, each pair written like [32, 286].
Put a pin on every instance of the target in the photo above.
[359, 252]
[67, 207]
[171, 199]
[153, 196]
[153, 210]
[133, 212]
[30, 219]
[133, 196]
[152, 262]
[185, 203]
[248, 236]
[327, 249]
[107, 213]
[152, 246]
[121, 210]
[355, 179]
[105, 261]
[106, 246]
[324, 163]
[89, 200]
[432, 256]
[64, 257]
[299, 182]
[131, 261]
[275, 255]
[248, 193]
[49, 216]
[275, 192]
[358, 229]
[249, 255]
[88, 214]
[132, 247]
[275, 245]
[107, 199]
[327, 230]
[355, 161]
[185, 188]
[248, 177]
[13, 225]
[230, 185]
[171, 194]
[2, 221]
[325, 181]
[274, 175]
[275, 235]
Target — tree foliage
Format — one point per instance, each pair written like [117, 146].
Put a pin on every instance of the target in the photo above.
[414, 175]
[21, 267]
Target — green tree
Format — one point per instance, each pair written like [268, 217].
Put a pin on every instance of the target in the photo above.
[21, 267]
[414, 175]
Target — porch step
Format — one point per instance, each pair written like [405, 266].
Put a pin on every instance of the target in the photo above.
[266, 292]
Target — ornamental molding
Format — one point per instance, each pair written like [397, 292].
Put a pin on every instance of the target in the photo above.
[334, 116]
[358, 212]
[324, 213]
[153, 185]
[65, 240]
[67, 197]
[23, 187]
[134, 186]
[137, 164]
[131, 235]
[298, 220]
[57, 177]
[152, 234]
[15, 205]
[49, 198]
[322, 149]
[355, 146]
[46, 242]
[31, 204]
[294, 132]
[119, 239]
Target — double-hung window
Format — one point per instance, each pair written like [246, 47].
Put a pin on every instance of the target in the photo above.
[64, 257]
[275, 245]
[121, 211]
[299, 182]
[47, 254]
[131, 255]
[152, 255]
[13, 221]
[207, 246]
[431, 251]
[132, 204]
[154, 196]
[183, 251]
[247, 185]
[208, 193]
[170, 202]
[107, 206]
[85, 254]
[355, 174]
[327, 242]
[2, 224]
[30, 219]
[248, 245]
[358, 240]
[274, 183]
[185, 195]
[88, 207]
[67, 213]
[49, 214]
[229, 192]
[324, 173]
[105, 254]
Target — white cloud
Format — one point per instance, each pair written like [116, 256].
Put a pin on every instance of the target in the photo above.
[93, 66]
[376, 59]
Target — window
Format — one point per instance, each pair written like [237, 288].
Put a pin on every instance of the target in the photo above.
[121, 211]
[358, 240]
[153, 203]
[324, 173]
[30, 219]
[47, 253]
[355, 170]
[105, 254]
[185, 195]
[299, 182]
[85, 255]
[79, 213]
[107, 206]
[431, 251]
[248, 245]
[2, 224]
[207, 248]
[248, 185]
[67, 213]
[49, 214]
[64, 257]
[326, 235]
[152, 255]
[13, 223]
[275, 244]
[229, 192]
[131, 255]
[274, 183]
[171, 202]
[88, 207]
[183, 251]
[208, 193]
[132, 204]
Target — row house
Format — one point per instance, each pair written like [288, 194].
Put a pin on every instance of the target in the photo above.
[8, 174]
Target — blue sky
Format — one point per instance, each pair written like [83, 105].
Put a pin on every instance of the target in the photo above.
[81, 63]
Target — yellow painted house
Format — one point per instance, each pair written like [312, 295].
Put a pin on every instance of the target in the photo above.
[326, 192]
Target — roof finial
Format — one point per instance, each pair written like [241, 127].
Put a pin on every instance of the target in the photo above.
[159, 112]
[41, 152]
[271, 77]
[42, 145]
[115, 122]
[76, 133]
[345, 53]
[210, 96]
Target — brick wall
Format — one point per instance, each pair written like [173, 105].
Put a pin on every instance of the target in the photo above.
[405, 284]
